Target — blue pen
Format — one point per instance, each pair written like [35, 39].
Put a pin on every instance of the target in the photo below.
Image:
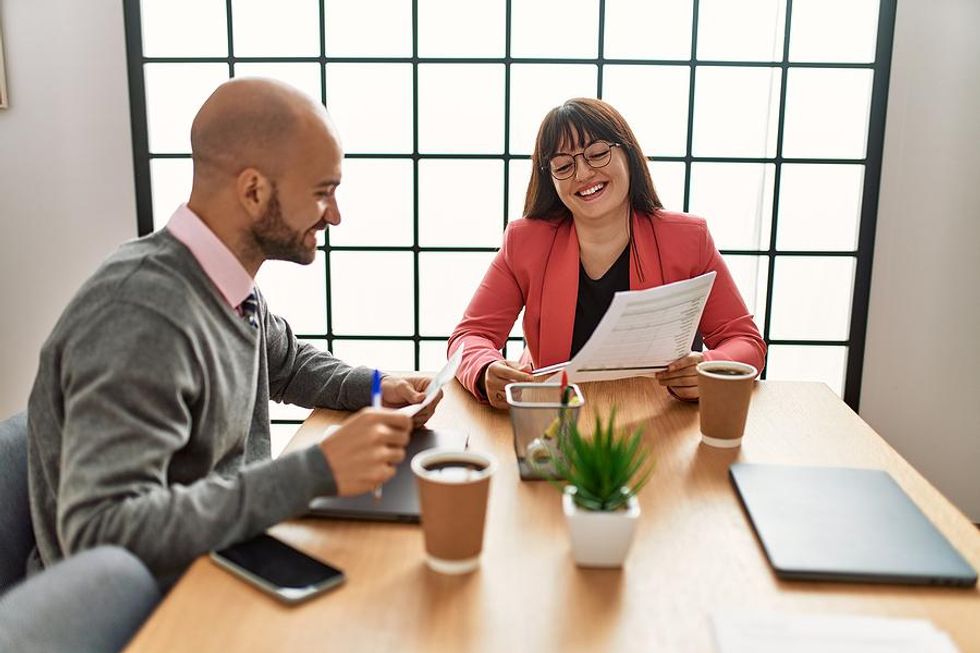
[376, 403]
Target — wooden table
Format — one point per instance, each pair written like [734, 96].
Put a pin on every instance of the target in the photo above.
[695, 552]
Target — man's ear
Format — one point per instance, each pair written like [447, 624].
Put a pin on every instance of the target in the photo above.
[254, 191]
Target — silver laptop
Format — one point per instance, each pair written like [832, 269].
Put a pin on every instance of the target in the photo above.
[399, 500]
[843, 524]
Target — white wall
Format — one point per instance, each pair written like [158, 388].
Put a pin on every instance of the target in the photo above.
[921, 387]
[66, 174]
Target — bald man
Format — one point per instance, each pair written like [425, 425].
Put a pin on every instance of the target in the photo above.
[148, 420]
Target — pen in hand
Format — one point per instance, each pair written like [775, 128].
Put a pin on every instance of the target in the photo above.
[376, 403]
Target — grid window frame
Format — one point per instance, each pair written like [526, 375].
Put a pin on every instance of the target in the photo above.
[871, 161]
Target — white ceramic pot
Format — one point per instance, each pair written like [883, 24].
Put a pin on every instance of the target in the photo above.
[600, 538]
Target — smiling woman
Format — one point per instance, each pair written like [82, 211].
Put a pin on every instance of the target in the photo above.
[593, 226]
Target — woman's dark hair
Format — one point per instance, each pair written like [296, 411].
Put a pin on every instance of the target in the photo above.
[590, 119]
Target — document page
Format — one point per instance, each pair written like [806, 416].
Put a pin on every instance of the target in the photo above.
[444, 376]
[642, 332]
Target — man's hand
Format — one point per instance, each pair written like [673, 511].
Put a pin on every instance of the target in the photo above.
[363, 452]
[681, 377]
[498, 374]
[403, 391]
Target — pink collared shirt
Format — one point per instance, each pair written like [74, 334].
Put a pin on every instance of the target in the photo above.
[218, 262]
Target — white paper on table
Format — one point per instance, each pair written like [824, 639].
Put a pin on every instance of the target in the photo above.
[642, 332]
[769, 632]
[444, 376]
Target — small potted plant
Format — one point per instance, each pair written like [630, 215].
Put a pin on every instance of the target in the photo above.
[603, 474]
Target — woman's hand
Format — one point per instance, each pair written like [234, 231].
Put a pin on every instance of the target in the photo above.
[681, 377]
[498, 374]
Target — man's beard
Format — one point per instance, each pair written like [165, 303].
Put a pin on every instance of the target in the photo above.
[276, 240]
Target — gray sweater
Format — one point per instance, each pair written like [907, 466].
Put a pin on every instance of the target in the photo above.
[148, 419]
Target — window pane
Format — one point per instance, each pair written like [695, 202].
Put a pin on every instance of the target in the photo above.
[296, 293]
[373, 293]
[304, 76]
[184, 28]
[554, 28]
[432, 355]
[660, 126]
[537, 89]
[449, 28]
[741, 31]
[736, 111]
[736, 200]
[751, 275]
[514, 349]
[461, 108]
[668, 180]
[170, 180]
[385, 355]
[288, 28]
[281, 434]
[827, 113]
[520, 177]
[372, 106]
[288, 411]
[834, 30]
[461, 203]
[648, 29]
[174, 94]
[365, 221]
[447, 281]
[811, 298]
[821, 363]
[368, 28]
[819, 206]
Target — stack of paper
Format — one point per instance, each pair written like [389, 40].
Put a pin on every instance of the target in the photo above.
[777, 633]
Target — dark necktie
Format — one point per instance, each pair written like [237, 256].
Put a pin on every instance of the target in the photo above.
[250, 309]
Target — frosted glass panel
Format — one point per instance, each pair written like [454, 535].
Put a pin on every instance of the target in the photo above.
[432, 355]
[834, 30]
[520, 176]
[811, 298]
[296, 293]
[450, 28]
[741, 31]
[449, 213]
[365, 220]
[372, 106]
[554, 28]
[736, 200]
[286, 28]
[385, 355]
[736, 111]
[751, 275]
[184, 28]
[174, 94]
[819, 207]
[170, 180]
[372, 293]
[668, 180]
[304, 76]
[660, 126]
[648, 29]
[827, 113]
[826, 364]
[447, 281]
[368, 28]
[461, 108]
[536, 90]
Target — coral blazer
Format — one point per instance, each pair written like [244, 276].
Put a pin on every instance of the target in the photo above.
[537, 269]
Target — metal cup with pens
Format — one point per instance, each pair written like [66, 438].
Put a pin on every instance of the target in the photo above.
[539, 420]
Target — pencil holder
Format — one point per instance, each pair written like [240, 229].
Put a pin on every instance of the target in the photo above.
[538, 419]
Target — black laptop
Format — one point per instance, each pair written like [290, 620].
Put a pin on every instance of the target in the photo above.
[399, 500]
[843, 524]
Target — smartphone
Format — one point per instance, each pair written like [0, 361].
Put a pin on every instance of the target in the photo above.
[278, 569]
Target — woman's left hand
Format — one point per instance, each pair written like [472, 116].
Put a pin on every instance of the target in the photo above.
[681, 377]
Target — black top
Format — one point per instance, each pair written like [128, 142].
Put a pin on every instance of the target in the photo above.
[595, 296]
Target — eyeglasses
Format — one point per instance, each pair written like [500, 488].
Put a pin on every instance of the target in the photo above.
[597, 155]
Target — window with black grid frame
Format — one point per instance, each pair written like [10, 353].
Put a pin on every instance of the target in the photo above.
[764, 117]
